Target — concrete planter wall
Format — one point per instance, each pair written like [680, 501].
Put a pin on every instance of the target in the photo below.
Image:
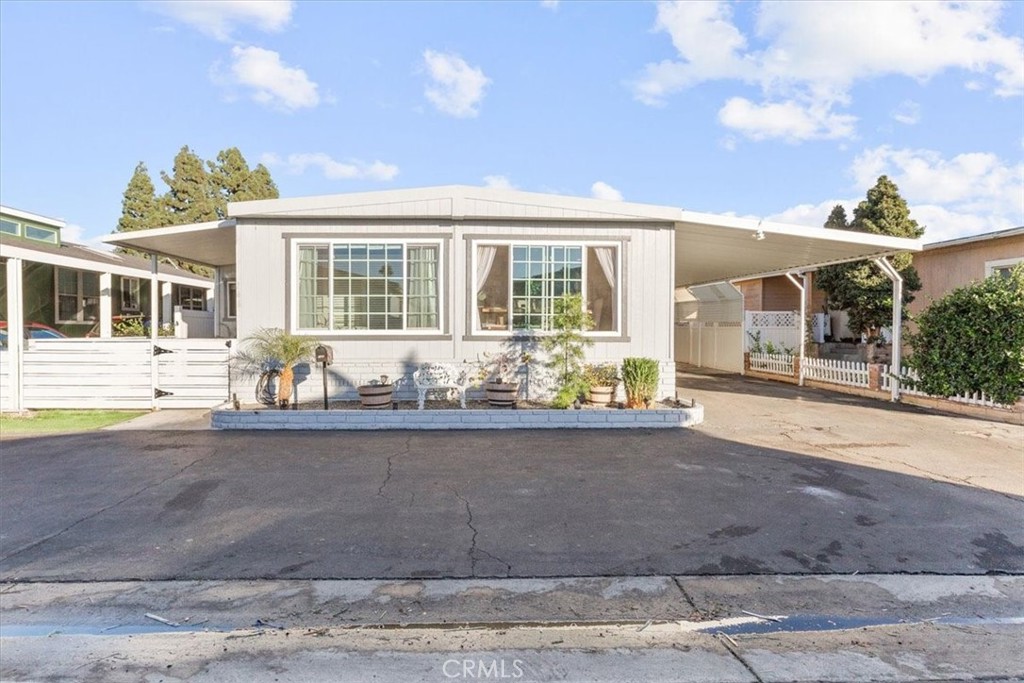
[660, 418]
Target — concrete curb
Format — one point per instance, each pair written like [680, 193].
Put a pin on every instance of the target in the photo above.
[224, 417]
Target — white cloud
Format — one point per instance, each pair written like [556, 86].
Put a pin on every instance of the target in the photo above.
[811, 215]
[971, 182]
[271, 82]
[908, 113]
[498, 182]
[602, 190]
[352, 169]
[788, 120]
[968, 194]
[549, 4]
[219, 18]
[811, 54]
[455, 87]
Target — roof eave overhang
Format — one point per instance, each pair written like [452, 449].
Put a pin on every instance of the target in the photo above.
[209, 244]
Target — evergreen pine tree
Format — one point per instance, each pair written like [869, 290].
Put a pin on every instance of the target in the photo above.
[139, 207]
[191, 196]
[259, 185]
[230, 176]
[859, 288]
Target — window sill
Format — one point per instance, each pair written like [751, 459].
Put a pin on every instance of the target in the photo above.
[519, 337]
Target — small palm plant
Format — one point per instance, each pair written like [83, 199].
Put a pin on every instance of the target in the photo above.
[271, 348]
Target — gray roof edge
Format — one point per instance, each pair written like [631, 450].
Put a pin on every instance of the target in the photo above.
[982, 237]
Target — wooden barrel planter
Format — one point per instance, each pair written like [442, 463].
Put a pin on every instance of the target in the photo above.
[375, 396]
[600, 396]
[501, 394]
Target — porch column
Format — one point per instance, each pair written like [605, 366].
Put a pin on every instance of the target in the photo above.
[154, 300]
[803, 319]
[167, 302]
[106, 305]
[214, 301]
[897, 323]
[15, 330]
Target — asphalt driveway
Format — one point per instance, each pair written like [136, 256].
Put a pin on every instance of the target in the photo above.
[788, 481]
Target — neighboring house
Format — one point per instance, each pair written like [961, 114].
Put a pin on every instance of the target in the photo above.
[945, 266]
[82, 291]
[391, 279]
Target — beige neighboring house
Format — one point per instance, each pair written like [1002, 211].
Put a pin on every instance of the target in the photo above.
[945, 266]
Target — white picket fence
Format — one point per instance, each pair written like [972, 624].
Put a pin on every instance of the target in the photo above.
[855, 374]
[774, 363]
[848, 373]
[909, 375]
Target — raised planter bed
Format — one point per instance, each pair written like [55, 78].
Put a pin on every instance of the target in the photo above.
[661, 417]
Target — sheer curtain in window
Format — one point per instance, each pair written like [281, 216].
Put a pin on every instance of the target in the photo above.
[422, 288]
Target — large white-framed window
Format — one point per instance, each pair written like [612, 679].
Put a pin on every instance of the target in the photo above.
[363, 287]
[131, 295]
[78, 295]
[515, 284]
[1002, 267]
[190, 298]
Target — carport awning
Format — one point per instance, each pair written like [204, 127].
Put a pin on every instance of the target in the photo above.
[711, 248]
[211, 244]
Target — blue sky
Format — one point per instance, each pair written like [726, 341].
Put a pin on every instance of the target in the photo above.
[773, 110]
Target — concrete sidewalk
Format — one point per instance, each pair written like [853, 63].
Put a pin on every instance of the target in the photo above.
[179, 419]
[768, 628]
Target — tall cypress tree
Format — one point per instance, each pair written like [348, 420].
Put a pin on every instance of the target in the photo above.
[139, 207]
[234, 182]
[859, 288]
[191, 196]
[259, 185]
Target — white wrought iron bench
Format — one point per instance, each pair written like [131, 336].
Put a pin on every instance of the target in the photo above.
[437, 376]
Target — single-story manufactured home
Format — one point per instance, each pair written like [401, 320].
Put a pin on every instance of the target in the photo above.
[394, 278]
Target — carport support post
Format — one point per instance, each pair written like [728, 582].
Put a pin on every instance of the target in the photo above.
[897, 323]
[106, 309]
[15, 331]
[803, 319]
[154, 326]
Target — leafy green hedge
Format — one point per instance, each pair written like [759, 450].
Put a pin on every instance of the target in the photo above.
[973, 340]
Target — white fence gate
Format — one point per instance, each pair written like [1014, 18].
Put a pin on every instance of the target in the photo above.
[124, 373]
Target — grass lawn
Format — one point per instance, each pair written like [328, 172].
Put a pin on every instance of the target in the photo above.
[62, 421]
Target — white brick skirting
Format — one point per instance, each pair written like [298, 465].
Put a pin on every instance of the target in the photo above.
[659, 418]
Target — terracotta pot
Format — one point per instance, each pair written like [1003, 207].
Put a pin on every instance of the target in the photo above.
[502, 394]
[375, 396]
[600, 395]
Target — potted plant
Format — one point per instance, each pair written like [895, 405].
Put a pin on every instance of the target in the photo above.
[498, 372]
[640, 375]
[377, 394]
[271, 351]
[602, 380]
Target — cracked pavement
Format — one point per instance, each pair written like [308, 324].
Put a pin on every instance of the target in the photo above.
[782, 481]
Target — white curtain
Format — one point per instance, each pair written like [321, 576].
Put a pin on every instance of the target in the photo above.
[484, 261]
[423, 288]
[606, 257]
